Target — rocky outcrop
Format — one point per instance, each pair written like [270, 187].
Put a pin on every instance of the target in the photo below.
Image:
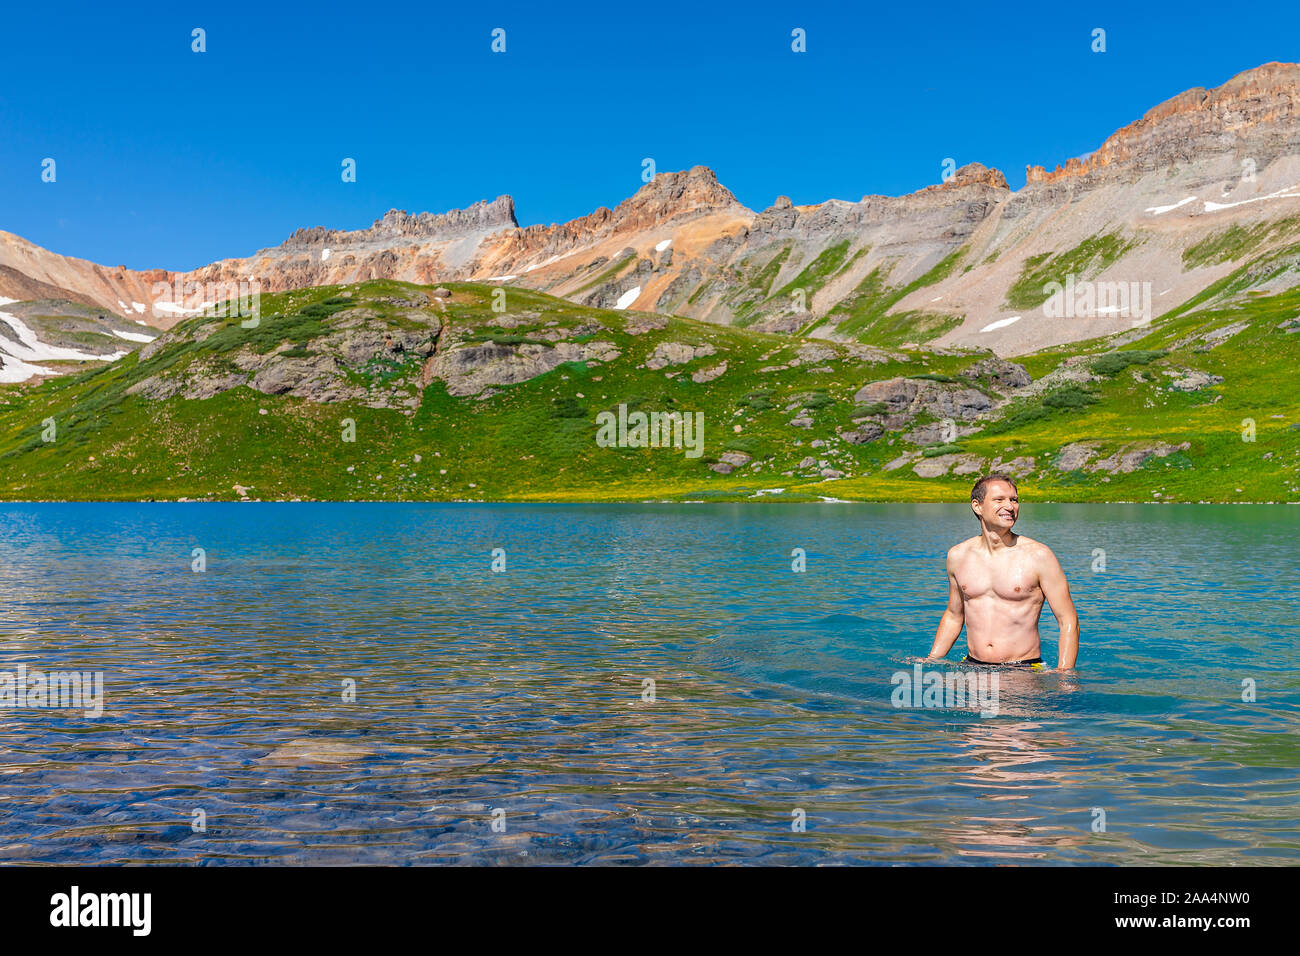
[999, 373]
[471, 369]
[1075, 455]
[705, 375]
[641, 324]
[676, 353]
[729, 461]
[949, 211]
[399, 226]
[317, 371]
[1133, 456]
[1019, 466]
[912, 397]
[935, 433]
[668, 197]
[1194, 381]
[940, 464]
[865, 432]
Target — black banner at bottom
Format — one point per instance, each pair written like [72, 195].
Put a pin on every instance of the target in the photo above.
[336, 906]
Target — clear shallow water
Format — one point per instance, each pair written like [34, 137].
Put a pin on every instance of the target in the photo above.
[522, 691]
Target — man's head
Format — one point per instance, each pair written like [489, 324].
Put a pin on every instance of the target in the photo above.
[995, 501]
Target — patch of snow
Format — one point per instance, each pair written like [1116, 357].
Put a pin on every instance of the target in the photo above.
[627, 298]
[4, 301]
[1160, 210]
[498, 278]
[138, 306]
[133, 336]
[163, 306]
[14, 370]
[663, 245]
[1286, 193]
[16, 358]
[767, 491]
[1000, 324]
[324, 254]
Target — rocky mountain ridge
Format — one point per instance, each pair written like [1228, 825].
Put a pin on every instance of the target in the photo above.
[955, 264]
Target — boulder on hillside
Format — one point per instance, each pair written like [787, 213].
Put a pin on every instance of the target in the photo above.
[999, 372]
[960, 464]
[1018, 467]
[644, 322]
[676, 353]
[913, 396]
[1075, 455]
[812, 354]
[866, 432]
[1133, 456]
[786, 324]
[729, 461]
[709, 374]
[468, 370]
[1194, 381]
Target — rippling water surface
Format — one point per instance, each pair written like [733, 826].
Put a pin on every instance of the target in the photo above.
[518, 696]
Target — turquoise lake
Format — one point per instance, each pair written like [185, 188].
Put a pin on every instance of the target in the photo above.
[353, 683]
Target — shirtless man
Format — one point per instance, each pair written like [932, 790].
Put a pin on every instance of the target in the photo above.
[997, 581]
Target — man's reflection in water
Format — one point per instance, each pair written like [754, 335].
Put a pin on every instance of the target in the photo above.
[1010, 760]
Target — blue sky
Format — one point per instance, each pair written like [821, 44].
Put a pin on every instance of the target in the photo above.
[170, 158]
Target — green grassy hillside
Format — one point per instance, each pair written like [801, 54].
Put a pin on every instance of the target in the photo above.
[419, 385]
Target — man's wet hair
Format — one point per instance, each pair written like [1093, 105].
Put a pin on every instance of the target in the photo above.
[977, 493]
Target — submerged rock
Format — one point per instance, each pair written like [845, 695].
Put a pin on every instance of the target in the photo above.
[318, 750]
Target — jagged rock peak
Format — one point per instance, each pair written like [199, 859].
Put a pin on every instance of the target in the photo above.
[972, 174]
[481, 217]
[669, 195]
[976, 174]
[1268, 94]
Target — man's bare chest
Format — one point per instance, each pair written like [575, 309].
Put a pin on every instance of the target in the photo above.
[1010, 578]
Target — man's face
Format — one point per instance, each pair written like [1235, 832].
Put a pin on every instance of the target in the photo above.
[1001, 506]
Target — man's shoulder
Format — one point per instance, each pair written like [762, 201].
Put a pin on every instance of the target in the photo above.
[1036, 547]
[962, 548]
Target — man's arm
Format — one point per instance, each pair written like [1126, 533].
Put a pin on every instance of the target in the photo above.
[1057, 591]
[954, 616]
